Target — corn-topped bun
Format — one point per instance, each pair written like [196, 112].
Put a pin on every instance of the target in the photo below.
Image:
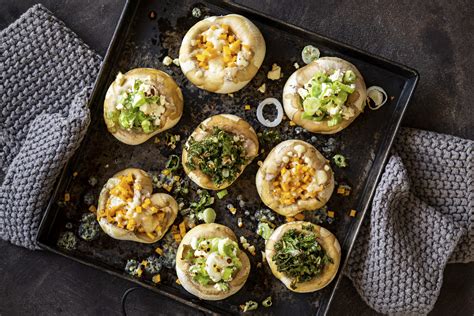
[222, 54]
[129, 211]
[295, 177]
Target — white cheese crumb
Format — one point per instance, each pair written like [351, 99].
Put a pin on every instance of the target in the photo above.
[167, 61]
[262, 88]
[275, 73]
[176, 61]
[296, 65]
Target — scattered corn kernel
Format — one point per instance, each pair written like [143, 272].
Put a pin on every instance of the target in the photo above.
[330, 214]
[92, 209]
[182, 229]
[353, 213]
[159, 251]
[247, 107]
[232, 210]
[178, 282]
[262, 88]
[67, 197]
[292, 123]
[299, 216]
[75, 174]
[156, 278]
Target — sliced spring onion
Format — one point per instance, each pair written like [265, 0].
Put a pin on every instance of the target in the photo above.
[340, 161]
[208, 215]
[222, 194]
[173, 163]
[376, 97]
[310, 54]
[267, 302]
[279, 116]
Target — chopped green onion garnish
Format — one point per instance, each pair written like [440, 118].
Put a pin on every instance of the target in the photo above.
[340, 161]
[173, 163]
[249, 306]
[222, 194]
[267, 302]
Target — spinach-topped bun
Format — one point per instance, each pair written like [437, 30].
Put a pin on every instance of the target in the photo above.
[325, 96]
[142, 103]
[218, 151]
[209, 263]
[304, 256]
[128, 210]
[222, 53]
[295, 177]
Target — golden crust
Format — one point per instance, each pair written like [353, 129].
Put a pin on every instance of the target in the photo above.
[328, 242]
[160, 200]
[272, 166]
[292, 101]
[166, 86]
[230, 123]
[182, 266]
[215, 81]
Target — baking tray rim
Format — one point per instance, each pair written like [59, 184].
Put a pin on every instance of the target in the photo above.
[128, 12]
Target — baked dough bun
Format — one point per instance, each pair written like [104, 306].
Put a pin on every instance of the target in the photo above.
[182, 266]
[163, 202]
[292, 100]
[229, 123]
[165, 86]
[270, 171]
[218, 73]
[327, 241]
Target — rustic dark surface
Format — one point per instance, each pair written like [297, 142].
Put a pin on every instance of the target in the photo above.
[436, 38]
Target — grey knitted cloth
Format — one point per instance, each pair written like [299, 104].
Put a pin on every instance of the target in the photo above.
[45, 70]
[422, 217]
[422, 213]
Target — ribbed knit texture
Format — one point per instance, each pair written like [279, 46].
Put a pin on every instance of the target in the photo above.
[422, 213]
[45, 70]
[422, 217]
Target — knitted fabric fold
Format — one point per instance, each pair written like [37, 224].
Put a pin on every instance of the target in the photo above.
[421, 218]
[422, 213]
[45, 72]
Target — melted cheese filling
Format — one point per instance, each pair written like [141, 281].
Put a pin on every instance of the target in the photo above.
[129, 208]
[219, 48]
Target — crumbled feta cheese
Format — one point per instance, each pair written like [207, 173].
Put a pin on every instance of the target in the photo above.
[167, 61]
[296, 65]
[275, 73]
[176, 61]
[337, 75]
[303, 92]
[119, 106]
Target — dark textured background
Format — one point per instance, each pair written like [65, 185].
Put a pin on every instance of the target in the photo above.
[436, 38]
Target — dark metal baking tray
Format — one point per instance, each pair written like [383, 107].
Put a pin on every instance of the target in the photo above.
[143, 40]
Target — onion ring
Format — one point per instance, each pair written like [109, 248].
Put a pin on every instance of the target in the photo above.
[377, 95]
[263, 120]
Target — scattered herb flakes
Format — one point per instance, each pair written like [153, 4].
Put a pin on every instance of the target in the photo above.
[340, 161]
[269, 137]
[67, 241]
[89, 227]
[92, 181]
[249, 306]
[154, 264]
[196, 12]
[133, 268]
